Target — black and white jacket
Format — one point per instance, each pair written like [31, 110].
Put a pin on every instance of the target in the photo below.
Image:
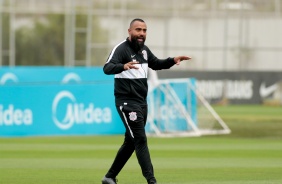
[131, 85]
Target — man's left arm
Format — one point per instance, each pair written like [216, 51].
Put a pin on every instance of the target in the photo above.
[159, 64]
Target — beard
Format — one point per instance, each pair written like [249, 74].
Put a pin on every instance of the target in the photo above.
[138, 45]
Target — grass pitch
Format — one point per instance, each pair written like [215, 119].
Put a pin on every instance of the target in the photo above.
[251, 154]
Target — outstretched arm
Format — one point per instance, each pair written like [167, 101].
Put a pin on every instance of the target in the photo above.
[178, 59]
[159, 64]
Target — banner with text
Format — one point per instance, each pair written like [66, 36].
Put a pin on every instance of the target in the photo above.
[57, 101]
[248, 87]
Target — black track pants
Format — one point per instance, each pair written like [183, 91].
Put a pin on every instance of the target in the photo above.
[134, 119]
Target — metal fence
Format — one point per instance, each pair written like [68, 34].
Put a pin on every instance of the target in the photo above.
[219, 34]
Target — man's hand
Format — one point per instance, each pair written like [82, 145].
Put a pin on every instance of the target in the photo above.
[130, 65]
[178, 59]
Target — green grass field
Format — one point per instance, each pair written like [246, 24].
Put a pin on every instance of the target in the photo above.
[251, 154]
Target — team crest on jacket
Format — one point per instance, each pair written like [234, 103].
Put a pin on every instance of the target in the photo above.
[145, 55]
[132, 116]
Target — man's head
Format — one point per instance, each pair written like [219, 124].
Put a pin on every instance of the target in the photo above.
[137, 32]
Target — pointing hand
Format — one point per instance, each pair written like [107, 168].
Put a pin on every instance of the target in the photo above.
[178, 59]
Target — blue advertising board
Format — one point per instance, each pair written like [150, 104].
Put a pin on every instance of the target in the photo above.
[57, 101]
[45, 101]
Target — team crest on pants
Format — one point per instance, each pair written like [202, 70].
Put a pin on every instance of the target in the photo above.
[132, 116]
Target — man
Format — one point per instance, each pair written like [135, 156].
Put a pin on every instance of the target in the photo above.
[129, 61]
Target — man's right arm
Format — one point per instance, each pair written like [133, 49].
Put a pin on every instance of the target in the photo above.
[114, 63]
[113, 67]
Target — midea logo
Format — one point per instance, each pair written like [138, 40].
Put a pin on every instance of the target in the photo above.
[8, 77]
[71, 77]
[77, 113]
[11, 115]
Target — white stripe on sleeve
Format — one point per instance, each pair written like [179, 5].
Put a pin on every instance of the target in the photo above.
[113, 51]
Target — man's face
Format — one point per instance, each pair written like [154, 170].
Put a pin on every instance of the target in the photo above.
[137, 33]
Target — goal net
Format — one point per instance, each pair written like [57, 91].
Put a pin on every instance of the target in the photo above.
[176, 108]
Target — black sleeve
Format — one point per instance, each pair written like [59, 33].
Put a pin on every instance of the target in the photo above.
[159, 64]
[114, 63]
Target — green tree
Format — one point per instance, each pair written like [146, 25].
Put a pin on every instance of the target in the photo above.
[5, 38]
[43, 43]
